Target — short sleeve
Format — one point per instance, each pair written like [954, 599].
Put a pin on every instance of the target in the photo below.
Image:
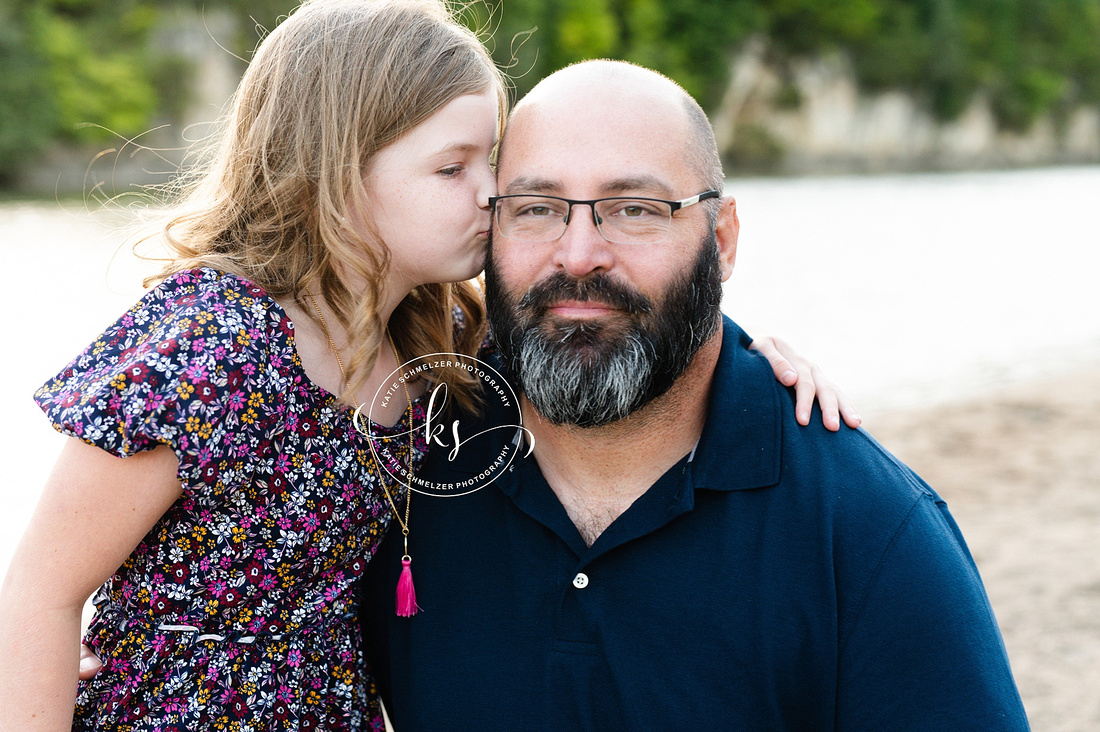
[183, 367]
[925, 652]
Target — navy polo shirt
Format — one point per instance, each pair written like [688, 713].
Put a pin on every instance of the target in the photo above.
[778, 578]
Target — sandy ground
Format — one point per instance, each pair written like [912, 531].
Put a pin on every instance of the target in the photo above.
[1020, 469]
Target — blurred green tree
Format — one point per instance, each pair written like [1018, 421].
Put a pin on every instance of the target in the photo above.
[82, 70]
[27, 113]
[72, 70]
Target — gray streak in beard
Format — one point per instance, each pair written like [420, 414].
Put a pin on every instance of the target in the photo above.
[565, 390]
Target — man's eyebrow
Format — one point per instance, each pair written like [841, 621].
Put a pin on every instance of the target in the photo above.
[530, 184]
[637, 184]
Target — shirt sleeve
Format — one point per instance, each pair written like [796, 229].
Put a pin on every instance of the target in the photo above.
[924, 651]
[183, 367]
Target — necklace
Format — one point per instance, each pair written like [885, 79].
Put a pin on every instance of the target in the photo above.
[406, 593]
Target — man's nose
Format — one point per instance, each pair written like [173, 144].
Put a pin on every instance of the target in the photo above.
[582, 250]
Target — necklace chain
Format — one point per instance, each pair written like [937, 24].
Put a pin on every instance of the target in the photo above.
[358, 409]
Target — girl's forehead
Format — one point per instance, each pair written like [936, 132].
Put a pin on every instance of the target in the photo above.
[466, 122]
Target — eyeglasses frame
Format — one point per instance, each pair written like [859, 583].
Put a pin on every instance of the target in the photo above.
[673, 206]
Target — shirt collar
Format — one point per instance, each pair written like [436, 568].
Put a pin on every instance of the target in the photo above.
[740, 445]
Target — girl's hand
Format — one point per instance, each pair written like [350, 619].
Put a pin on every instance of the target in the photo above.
[89, 663]
[808, 381]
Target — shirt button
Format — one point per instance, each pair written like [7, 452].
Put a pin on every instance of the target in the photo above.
[580, 581]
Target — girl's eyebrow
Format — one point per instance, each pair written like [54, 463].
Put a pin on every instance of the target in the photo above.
[459, 147]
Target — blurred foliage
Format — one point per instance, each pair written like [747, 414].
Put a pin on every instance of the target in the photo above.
[72, 70]
[27, 113]
[84, 70]
[1029, 57]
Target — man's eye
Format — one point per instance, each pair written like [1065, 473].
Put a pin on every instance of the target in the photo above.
[535, 211]
[632, 210]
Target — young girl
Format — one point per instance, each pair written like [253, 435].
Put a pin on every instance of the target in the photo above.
[353, 176]
[352, 179]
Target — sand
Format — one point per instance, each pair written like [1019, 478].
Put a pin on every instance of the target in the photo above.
[1020, 470]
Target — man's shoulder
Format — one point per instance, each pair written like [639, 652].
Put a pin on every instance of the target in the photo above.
[845, 479]
[751, 419]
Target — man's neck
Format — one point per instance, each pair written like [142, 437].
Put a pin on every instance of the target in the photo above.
[598, 472]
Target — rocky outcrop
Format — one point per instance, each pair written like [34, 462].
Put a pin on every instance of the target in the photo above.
[814, 118]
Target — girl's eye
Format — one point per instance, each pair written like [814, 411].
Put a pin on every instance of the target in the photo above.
[451, 172]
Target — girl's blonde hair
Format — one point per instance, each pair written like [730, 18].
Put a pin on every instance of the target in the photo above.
[275, 200]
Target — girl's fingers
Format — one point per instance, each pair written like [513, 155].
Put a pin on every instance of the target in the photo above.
[89, 663]
[809, 383]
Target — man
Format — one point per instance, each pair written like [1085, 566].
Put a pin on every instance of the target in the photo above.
[676, 553]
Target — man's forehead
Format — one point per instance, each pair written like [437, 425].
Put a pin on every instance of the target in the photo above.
[614, 142]
[601, 102]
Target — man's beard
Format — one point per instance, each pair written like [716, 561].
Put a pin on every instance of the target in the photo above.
[591, 373]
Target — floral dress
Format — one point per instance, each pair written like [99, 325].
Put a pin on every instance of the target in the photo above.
[237, 610]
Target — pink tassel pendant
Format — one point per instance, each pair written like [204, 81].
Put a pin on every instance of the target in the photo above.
[406, 593]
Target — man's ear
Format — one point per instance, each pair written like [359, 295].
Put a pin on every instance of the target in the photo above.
[726, 230]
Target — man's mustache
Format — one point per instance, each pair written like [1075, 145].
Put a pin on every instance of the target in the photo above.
[600, 288]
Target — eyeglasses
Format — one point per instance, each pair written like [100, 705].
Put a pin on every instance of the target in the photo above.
[620, 220]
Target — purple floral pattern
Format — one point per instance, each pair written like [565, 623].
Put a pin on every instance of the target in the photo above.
[237, 610]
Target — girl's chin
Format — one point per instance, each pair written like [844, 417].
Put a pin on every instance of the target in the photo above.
[477, 265]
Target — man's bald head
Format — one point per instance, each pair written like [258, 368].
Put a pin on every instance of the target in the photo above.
[591, 92]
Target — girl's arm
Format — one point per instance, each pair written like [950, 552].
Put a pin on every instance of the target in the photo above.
[808, 381]
[93, 512]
